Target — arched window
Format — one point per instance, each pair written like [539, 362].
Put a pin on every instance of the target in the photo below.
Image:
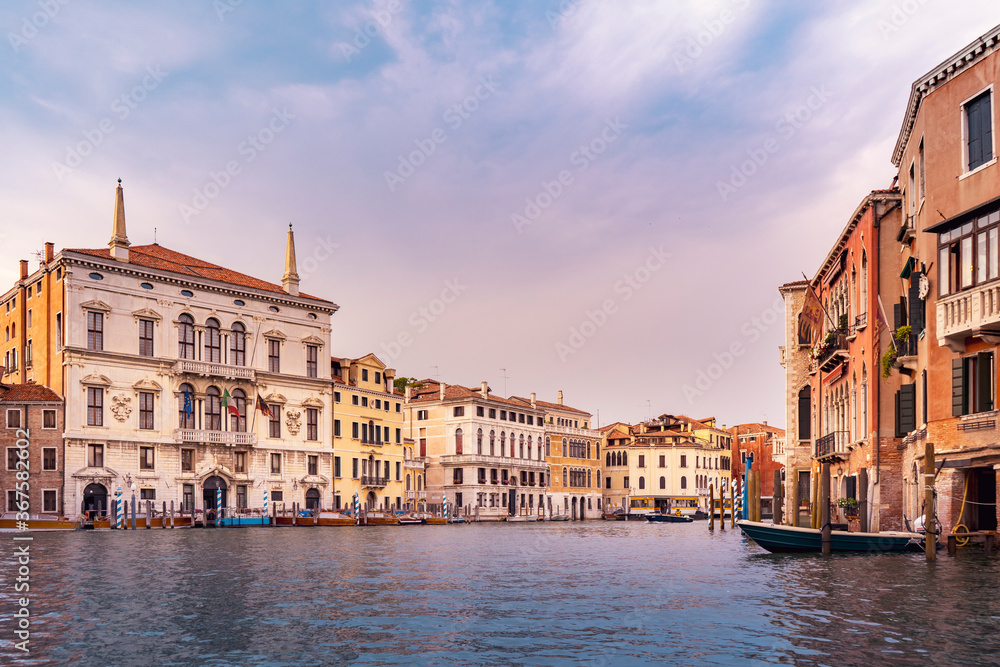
[213, 409]
[521, 448]
[503, 443]
[213, 342]
[529, 446]
[684, 482]
[420, 483]
[642, 482]
[663, 482]
[238, 423]
[407, 482]
[479, 442]
[624, 458]
[565, 448]
[238, 345]
[186, 403]
[548, 446]
[607, 459]
[565, 479]
[589, 479]
[458, 441]
[185, 337]
[493, 437]
[374, 434]
[588, 449]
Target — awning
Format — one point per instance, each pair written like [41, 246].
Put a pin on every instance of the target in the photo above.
[911, 264]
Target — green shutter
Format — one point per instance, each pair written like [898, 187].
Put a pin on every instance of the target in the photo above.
[957, 387]
[907, 408]
[984, 382]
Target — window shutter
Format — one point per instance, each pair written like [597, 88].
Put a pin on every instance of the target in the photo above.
[897, 317]
[987, 121]
[984, 382]
[916, 304]
[957, 388]
[898, 425]
[805, 410]
[975, 141]
[907, 408]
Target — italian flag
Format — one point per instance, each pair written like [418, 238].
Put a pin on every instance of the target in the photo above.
[227, 404]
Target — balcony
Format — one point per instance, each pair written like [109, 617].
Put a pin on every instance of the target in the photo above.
[215, 437]
[374, 481]
[491, 461]
[215, 370]
[833, 353]
[971, 312]
[416, 495]
[832, 445]
[415, 464]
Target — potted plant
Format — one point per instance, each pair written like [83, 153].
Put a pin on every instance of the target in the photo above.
[850, 507]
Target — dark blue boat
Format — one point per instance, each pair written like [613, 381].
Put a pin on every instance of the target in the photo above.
[668, 518]
[790, 539]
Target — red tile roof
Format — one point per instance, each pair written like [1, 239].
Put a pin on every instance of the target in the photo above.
[549, 406]
[157, 257]
[28, 393]
[431, 391]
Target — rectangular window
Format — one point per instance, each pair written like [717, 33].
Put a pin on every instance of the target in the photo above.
[354, 399]
[95, 331]
[12, 458]
[48, 418]
[364, 375]
[979, 131]
[241, 496]
[145, 338]
[313, 465]
[378, 377]
[275, 463]
[354, 430]
[354, 468]
[503, 415]
[48, 458]
[147, 494]
[378, 403]
[421, 415]
[239, 461]
[385, 434]
[145, 458]
[399, 407]
[456, 476]
[312, 361]
[13, 418]
[399, 436]
[642, 460]
[312, 424]
[493, 413]
[336, 397]
[48, 500]
[146, 410]
[684, 461]
[278, 496]
[364, 401]
[459, 411]
[480, 411]
[188, 498]
[274, 422]
[187, 460]
[11, 499]
[972, 384]
[520, 418]
[95, 406]
[663, 461]
[95, 456]
[336, 468]
[274, 356]
[399, 469]
[336, 428]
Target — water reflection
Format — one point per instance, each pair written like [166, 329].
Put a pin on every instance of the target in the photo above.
[598, 593]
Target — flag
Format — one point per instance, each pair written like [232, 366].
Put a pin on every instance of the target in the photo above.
[264, 407]
[188, 407]
[227, 403]
[811, 318]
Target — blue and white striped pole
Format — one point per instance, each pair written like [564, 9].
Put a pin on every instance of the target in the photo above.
[357, 508]
[265, 502]
[118, 508]
[444, 503]
[218, 506]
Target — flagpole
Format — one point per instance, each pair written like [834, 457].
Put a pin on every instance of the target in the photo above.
[892, 337]
[809, 285]
[253, 354]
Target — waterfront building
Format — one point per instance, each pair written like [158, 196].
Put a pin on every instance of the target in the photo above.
[32, 413]
[573, 456]
[484, 454]
[758, 442]
[948, 174]
[841, 409]
[669, 461]
[368, 436]
[162, 359]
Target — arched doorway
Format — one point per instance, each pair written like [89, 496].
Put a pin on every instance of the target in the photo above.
[95, 500]
[312, 499]
[574, 514]
[209, 488]
[371, 501]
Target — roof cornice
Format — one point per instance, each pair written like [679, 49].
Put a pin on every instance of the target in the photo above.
[943, 73]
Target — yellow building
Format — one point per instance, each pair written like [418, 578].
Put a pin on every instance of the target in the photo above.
[665, 462]
[573, 456]
[367, 435]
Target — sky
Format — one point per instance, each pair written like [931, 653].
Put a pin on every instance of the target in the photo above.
[594, 197]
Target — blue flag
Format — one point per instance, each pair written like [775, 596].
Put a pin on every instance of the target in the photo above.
[188, 408]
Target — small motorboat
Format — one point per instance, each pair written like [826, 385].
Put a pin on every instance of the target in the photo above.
[792, 539]
[411, 520]
[559, 517]
[10, 523]
[669, 518]
[523, 517]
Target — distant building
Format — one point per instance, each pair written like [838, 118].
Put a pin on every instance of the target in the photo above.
[759, 442]
[33, 414]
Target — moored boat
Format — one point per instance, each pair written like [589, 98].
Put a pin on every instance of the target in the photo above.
[559, 517]
[334, 519]
[9, 522]
[523, 517]
[411, 520]
[792, 539]
[669, 518]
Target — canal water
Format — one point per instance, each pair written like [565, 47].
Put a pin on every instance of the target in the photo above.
[594, 593]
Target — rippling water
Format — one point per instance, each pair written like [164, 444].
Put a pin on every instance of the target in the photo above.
[596, 593]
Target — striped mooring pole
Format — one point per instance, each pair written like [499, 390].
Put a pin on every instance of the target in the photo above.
[118, 508]
[218, 507]
[265, 503]
[357, 509]
[444, 504]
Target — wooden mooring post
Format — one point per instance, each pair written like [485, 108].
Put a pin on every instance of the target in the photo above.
[133, 511]
[171, 514]
[149, 514]
[930, 536]
[777, 500]
[711, 507]
[793, 502]
[824, 508]
[722, 506]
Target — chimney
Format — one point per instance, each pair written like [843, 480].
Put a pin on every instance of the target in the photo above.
[24, 269]
[119, 238]
[49, 248]
[409, 392]
[533, 399]
[559, 397]
[441, 387]
[290, 279]
[484, 389]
